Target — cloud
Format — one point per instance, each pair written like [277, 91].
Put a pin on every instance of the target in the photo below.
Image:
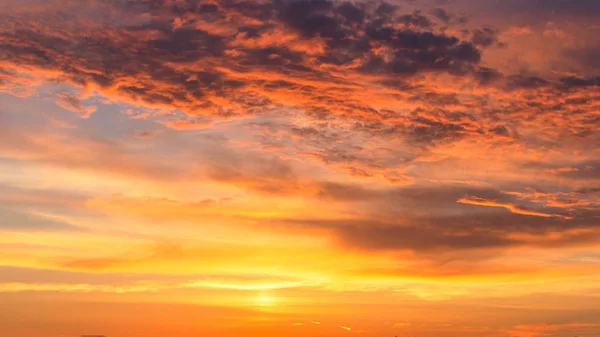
[471, 200]
[40, 199]
[75, 288]
[372, 70]
[24, 221]
[441, 14]
[25, 141]
[72, 103]
[576, 8]
[400, 219]
[189, 67]
[375, 131]
[587, 57]
[184, 124]
[253, 286]
[542, 330]
[417, 237]
[588, 170]
[485, 37]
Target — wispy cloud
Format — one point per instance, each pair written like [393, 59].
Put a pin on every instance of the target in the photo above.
[471, 200]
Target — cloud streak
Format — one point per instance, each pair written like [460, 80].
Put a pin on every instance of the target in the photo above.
[471, 200]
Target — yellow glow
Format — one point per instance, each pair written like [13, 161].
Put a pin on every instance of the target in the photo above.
[273, 227]
[265, 300]
[266, 286]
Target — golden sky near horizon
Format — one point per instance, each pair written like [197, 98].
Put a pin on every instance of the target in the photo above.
[299, 168]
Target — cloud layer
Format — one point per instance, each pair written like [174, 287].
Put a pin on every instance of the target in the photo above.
[265, 154]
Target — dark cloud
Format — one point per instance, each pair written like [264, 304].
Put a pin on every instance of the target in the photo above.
[416, 19]
[459, 232]
[574, 8]
[435, 98]
[525, 82]
[399, 221]
[386, 9]
[580, 82]
[421, 51]
[208, 8]
[418, 239]
[588, 190]
[386, 74]
[500, 130]
[485, 37]
[486, 76]
[169, 61]
[438, 126]
[399, 218]
[588, 58]
[588, 170]
[351, 12]
[441, 14]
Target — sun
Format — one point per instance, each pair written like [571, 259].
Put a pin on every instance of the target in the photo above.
[265, 300]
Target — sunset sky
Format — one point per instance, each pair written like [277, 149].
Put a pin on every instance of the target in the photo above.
[302, 168]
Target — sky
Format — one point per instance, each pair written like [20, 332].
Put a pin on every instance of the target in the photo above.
[299, 168]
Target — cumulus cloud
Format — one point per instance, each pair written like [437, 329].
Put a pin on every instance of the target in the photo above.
[393, 72]
[237, 57]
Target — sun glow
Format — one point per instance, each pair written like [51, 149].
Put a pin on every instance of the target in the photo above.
[265, 300]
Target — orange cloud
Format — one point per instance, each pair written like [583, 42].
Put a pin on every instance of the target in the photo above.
[470, 200]
[542, 330]
[72, 103]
